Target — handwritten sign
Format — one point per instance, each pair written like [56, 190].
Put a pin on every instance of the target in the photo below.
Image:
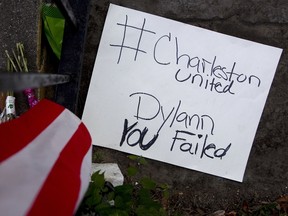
[177, 93]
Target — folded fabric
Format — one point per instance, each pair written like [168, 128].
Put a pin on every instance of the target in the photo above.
[45, 162]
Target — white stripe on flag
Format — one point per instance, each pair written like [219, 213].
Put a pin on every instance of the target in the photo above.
[33, 165]
[85, 176]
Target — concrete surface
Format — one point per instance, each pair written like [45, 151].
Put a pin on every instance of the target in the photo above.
[264, 21]
[20, 22]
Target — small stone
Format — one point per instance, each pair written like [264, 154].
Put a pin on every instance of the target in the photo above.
[218, 213]
[112, 172]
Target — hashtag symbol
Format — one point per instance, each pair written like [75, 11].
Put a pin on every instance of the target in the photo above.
[123, 44]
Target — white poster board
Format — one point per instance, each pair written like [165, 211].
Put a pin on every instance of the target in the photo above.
[178, 93]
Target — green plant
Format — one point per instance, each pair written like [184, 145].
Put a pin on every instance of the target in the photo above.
[142, 199]
[263, 209]
[266, 210]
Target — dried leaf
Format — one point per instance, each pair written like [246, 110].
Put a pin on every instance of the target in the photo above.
[218, 213]
[283, 203]
[232, 213]
[245, 206]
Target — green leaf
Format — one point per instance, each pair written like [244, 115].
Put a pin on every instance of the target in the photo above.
[147, 183]
[146, 210]
[113, 212]
[165, 190]
[166, 194]
[142, 161]
[138, 159]
[98, 179]
[123, 203]
[54, 24]
[94, 199]
[119, 202]
[132, 171]
[124, 189]
[145, 199]
[102, 206]
[133, 157]
[123, 197]
[111, 196]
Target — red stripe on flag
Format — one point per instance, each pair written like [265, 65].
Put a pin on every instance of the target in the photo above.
[18, 133]
[60, 191]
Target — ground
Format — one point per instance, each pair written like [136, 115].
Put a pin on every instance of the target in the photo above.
[266, 173]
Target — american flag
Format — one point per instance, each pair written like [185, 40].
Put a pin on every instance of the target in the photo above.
[45, 161]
